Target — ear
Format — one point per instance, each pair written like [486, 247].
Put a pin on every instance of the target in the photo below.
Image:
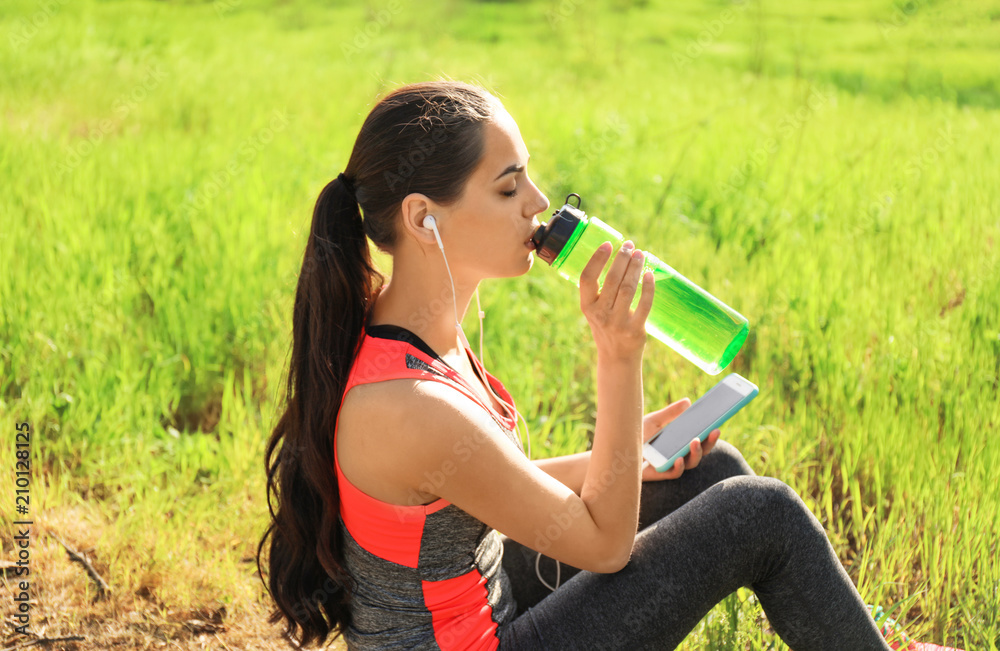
[415, 207]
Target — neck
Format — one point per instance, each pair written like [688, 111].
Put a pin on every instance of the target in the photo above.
[419, 298]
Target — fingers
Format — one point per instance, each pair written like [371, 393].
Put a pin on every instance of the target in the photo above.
[693, 458]
[623, 289]
[663, 416]
[591, 273]
[617, 331]
[645, 304]
[654, 421]
[616, 273]
[674, 472]
[699, 449]
[590, 292]
[709, 443]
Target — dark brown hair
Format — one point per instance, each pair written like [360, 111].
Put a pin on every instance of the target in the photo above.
[426, 138]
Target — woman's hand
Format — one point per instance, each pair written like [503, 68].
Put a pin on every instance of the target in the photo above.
[619, 333]
[653, 422]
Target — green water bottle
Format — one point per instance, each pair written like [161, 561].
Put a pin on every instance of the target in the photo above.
[697, 325]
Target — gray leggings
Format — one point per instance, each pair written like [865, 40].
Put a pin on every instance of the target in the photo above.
[717, 528]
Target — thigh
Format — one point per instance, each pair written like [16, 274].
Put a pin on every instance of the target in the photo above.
[742, 531]
[670, 582]
[659, 498]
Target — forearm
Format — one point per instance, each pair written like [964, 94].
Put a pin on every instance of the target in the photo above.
[612, 482]
[569, 469]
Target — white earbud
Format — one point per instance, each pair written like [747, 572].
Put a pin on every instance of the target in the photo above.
[431, 223]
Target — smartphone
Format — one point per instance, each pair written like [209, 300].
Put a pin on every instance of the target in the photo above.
[704, 415]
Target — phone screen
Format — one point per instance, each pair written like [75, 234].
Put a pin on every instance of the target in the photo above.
[702, 413]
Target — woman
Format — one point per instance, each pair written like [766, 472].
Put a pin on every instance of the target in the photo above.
[400, 461]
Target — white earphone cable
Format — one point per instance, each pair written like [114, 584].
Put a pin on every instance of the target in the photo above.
[499, 399]
[454, 299]
[458, 327]
[538, 573]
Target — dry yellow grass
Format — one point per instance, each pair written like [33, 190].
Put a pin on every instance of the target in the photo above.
[64, 604]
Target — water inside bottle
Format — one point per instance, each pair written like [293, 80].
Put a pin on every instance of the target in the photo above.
[678, 307]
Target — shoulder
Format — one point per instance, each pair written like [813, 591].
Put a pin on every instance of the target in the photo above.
[391, 433]
[402, 432]
[390, 403]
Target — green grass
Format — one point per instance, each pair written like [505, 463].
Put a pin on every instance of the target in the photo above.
[826, 168]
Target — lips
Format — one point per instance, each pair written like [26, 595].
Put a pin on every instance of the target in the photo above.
[530, 242]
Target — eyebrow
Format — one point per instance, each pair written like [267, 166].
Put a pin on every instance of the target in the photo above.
[512, 168]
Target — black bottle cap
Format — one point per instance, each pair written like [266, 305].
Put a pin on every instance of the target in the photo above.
[550, 238]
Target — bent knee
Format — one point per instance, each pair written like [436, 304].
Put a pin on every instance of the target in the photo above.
[776, 493]
[767, 499]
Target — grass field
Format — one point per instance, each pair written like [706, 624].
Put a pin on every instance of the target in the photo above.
[827, 168]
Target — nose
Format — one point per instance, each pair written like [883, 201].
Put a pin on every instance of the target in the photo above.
[543, 201]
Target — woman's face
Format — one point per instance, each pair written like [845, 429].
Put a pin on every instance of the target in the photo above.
[485, 231]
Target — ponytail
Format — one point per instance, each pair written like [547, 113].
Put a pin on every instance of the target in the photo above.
[337, 284]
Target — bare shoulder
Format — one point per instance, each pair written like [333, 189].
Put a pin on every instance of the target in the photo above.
[379, 439]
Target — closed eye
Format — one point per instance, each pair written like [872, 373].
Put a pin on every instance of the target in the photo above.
[512, 193]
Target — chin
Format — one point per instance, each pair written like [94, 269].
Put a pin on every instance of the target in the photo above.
[522, 268]
[528, 264]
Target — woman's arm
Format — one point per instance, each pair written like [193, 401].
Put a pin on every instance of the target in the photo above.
[569, 469]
